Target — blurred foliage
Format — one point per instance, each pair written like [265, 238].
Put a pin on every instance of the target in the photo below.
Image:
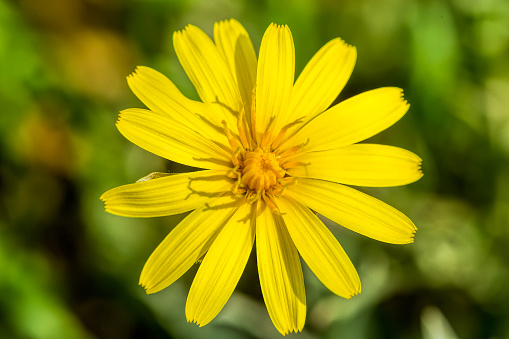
[70, 270]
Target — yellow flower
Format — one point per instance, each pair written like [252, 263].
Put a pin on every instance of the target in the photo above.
[273, 154]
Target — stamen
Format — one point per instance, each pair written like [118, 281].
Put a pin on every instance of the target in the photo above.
[234, 173]
[282, 133]
[258, 167]
[229, 136]
[237, 152]
[238, 190]
[240, 128]
[290, 152]
[285, 183]
[251, 142]
[293, 164]
[271, 203]
[253, 197]
[276, 188]
[266, 137]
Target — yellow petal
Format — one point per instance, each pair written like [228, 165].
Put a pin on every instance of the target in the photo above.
[361, 165]
[235, 46]
[162, 96]
[222, 267]
[319, 249]
[166, 195]
[321, 81]
[353, 120]
[187, 243]
[354, 210]
[162, 135]
[276, 67]
[208, 71]
[280, 273]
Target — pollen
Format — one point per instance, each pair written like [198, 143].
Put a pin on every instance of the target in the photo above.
[261, 170]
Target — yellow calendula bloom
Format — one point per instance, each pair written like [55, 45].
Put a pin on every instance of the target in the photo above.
[273, 154]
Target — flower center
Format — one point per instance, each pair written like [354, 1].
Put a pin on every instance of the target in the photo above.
[261, 170]
[259, 163]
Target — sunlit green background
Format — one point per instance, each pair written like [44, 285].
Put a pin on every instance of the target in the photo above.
[70, 270]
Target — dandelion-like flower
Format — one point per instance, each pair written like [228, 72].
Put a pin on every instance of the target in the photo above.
[273, 154]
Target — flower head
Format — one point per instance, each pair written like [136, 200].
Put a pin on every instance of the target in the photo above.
[272, 152]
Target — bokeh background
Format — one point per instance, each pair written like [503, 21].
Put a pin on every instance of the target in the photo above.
[70, 270]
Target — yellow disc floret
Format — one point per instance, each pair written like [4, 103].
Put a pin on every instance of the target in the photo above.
[261, 170]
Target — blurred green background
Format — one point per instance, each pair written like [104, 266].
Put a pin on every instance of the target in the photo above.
[70, 270]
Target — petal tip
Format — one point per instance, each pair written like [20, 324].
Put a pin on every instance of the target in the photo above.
[351, 296]
[143, 284]
[118, 122]
[230, 21]
[290, 330]
[195, 320]
[103, 196]
[147, 284]
[343, 44]
[191, 320]
[234, 21]
[355, 291]
[189, 29]
[411, 239]
[150, 289]
[421, 174]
